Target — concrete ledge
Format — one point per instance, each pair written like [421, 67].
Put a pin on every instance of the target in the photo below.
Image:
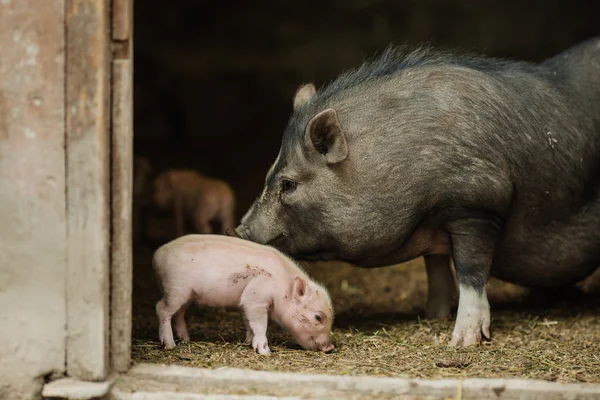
[117, 394]
[74, 389]
[260, 383]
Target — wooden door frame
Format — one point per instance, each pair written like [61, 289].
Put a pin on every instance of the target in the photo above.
[121, 282]
[99, 153]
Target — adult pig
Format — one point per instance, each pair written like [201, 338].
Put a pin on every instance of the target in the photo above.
[494, 163]
[222, 271]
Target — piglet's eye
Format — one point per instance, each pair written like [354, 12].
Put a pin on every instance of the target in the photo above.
[318, 318]
[288, 186]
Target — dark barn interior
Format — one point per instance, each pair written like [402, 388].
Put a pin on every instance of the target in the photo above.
[214, 83]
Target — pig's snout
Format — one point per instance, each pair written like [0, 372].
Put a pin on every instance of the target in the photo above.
[327, 347]
[231, 232]
[323, 344]
[241, 231]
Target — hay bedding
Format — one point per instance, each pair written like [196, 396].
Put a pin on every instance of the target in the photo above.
[378, 331]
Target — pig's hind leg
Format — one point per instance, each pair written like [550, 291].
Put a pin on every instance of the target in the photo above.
[166, 308]
[205, 212]
[227, 219]
[180, 325]
[441, 286]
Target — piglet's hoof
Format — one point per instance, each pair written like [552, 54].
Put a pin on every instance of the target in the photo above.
[169, 346]
[261, 346]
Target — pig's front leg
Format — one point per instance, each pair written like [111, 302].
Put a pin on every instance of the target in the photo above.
[258, 319]
[441, 286]
[473, 242]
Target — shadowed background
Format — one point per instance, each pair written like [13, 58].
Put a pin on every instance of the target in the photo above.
[214, 80]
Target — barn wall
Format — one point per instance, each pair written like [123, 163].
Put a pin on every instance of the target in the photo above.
[32, 196]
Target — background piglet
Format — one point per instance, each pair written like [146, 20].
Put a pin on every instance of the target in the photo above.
[223, 271]
[196, 199]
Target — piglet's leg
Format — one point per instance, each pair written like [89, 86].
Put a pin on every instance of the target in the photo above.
[172, 303]
[227, 220]
[203, 216]
[249, 334]
[180, 326]
[258, 319]
[203, 226]
[165, 331]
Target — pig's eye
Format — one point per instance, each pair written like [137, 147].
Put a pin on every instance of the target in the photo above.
[288, 186]
[318, 318]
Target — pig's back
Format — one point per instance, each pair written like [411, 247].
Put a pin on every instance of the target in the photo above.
[578, 70]
[556, 208]
[216, 268]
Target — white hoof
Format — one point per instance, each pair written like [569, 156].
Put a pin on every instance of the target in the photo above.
[472, 319]
[261, 346]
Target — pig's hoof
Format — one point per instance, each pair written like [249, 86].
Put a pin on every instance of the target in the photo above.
[469, 339]
[169, 346]
[261, 346]
[472, 319]
[470, 332]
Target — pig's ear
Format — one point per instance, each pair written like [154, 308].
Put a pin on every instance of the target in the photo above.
[300, 289]
[324, 134]
[303, 95]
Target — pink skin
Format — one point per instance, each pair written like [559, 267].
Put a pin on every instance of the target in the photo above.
[223, 271]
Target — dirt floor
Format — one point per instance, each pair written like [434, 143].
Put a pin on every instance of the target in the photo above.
[379, 330]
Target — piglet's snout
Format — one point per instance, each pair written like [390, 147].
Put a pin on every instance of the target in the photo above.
[327, 347]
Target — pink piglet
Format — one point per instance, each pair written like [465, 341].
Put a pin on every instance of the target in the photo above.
[224, 271]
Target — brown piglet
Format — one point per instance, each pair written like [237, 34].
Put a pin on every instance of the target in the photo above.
[195, 198]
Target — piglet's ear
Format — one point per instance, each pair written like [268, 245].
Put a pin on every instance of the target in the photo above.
[300, 289]
[303, 95]
[324, 134]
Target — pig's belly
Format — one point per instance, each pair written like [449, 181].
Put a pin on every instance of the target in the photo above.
[534, 274]
[217, 296]
[213, 291]
[546, 260]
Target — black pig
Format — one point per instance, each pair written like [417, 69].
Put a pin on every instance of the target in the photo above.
[495, 163]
